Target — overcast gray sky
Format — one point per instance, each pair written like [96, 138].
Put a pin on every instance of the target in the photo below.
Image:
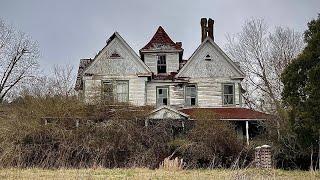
[68, 30]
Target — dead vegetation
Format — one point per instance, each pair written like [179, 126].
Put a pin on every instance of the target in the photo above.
[77, 135]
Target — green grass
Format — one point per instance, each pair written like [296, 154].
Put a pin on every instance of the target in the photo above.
[139, 173]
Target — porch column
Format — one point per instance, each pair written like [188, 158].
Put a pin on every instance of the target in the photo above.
[247, 132]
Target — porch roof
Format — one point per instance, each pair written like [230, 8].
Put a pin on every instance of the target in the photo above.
[229, 113]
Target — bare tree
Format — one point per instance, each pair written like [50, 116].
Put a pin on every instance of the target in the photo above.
[59, 81]
[263, 55]
[62, 81]
[18, 58]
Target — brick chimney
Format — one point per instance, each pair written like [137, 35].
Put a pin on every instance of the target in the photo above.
[206, 28]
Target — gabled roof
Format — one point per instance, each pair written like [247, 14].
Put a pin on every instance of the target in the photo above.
[161, 38]
[230, 113]
[117, 35]
[210, 40]
[175, 114]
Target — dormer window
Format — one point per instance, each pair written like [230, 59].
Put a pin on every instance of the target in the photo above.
[208, 58]
[161, 64]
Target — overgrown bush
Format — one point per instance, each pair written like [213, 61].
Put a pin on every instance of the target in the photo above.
[52, 132]
[211, 143]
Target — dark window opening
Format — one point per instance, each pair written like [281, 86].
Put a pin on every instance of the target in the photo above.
[193, 101]
[165, 101]
[161, 64]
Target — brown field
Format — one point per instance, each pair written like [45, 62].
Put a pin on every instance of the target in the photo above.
[139, 173]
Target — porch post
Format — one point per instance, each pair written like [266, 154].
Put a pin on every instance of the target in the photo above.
[247, 132]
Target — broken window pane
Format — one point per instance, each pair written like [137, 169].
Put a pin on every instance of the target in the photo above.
[162, 96]
[161, 64]
[191, 95]
[228, 94]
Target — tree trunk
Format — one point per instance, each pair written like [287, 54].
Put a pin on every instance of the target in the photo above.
[311, 159]
[319, 152]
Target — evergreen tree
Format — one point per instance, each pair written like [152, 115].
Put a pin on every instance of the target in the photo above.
[301, 93]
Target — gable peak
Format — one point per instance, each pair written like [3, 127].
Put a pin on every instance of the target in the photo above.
[161, 39]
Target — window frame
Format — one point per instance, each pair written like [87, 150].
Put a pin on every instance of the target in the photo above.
[162, 64]
[116, 91]
[114, 84]
[168, 95]
[103, 92]
[240, 94]
[196, 95]
[233, 94]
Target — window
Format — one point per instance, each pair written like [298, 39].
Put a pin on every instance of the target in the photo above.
[162, 96]
[228, 94]
[191, 95]
[240, 94]
[115, 91]
[161, 64]
[122, 91]
[107, 91]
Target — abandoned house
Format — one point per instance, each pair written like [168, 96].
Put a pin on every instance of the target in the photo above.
[160, 76]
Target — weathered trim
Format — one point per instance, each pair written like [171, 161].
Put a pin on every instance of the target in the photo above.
[170, 109]
[136, 57]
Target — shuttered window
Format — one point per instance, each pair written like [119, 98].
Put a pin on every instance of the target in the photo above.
[191, 95]
[228, 94]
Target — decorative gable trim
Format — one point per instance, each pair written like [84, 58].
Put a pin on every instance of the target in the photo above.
[115, 54]
[181, 115]
[209, 40]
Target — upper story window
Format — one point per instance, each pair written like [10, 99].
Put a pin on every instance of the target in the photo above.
[161, 64]
[191, 95]
[162, 96]
[228, 94]
[115, 91]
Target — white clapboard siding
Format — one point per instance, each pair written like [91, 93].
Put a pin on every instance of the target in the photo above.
[176, 94]
[172, 60]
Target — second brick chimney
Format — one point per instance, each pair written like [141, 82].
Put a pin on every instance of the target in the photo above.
[206, 28]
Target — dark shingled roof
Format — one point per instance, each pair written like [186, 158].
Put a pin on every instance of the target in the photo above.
[84, 63]
[230, 113]
[161, 37]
